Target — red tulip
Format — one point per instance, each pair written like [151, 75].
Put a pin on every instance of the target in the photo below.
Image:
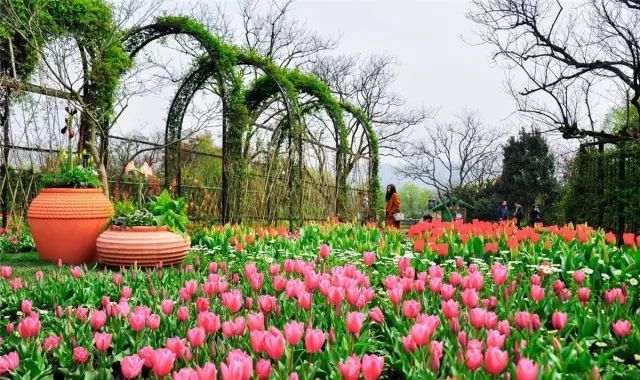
[628, 239]
[293, 332]
[102, 341]
[369, 258]
[354, 322]
[350, 369]
[621, 328]
[263, 369]
[526, 370]
[131, 366]
[314, 340]
[559, 320]
[29, 327]
[376, 315]
[206, 372]
[80, 355]
[196, 336]
[372, 366]
[162, 360]
[495, 360]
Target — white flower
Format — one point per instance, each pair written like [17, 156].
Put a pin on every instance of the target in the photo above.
[617, 272]
[633, 282]
[146, 170]
[129, 167]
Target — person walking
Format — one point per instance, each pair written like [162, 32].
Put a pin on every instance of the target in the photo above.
[535, 216]
[393, 216]
[503, 211]
[518, 214]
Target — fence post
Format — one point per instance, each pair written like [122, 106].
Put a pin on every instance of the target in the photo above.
[601, 183]
[621, 180]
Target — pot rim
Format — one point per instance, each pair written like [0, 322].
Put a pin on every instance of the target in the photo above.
[139, 229]
[69, 190]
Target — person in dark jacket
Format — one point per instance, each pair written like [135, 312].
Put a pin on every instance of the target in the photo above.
[503, 211]
[535, 216]
[518, 214]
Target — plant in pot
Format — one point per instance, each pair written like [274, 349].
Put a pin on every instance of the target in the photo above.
[71, 210]
[146, 233]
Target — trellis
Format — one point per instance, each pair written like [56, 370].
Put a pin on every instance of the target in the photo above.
[240, 111]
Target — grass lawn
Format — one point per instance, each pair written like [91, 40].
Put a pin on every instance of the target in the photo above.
[25, 265]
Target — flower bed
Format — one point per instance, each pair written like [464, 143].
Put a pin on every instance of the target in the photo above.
[337, 301]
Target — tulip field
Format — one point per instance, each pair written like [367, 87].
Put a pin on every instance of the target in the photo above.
[445, 300]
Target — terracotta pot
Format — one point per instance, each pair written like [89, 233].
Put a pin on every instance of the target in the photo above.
[143, 246]
[65, 223]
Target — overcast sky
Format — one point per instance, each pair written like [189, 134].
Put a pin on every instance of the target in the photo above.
[440, 64]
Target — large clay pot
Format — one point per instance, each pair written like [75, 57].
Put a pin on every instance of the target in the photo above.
[65, 223]
[142, 246]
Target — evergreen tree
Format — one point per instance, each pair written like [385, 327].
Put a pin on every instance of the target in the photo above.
[528, 174]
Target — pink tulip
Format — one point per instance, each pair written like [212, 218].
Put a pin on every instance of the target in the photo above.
[504, 328]
[9, 362]
[274, 344]
[579, 276]
[324, 251]
[559, 320]
[447, 291]
[51, 342]
[621, 328]
[495, 360]
[369, 258]
[102, 341]
[162, 360]
[183, 313]
[421, 333]
[256, 338]
[304, 300]
[239, 366]
[350, 369]
[202, 304]
[490, 320]
[267, 304]
[473, 359]
[499, 273]
[449, 308]
[206, 372]
[126, 292]
[583, 294]
[372, 366]
[131, 366]
[98, 319]
[537, 293]
[293, 332]
[395, 294]
[196, 336]
[29, 327]
[376, 315]
[354, 322]
[314, 340]
[209, 321]
[263, 369]
[255, 321]
[477, 316]
[435, 355]
[535, 279]
[177, 346]
[469, 297]
[411, 308]
[526, 370]
[26, 306]
[153, 321]
[137, 321]
[146, 354]
[495, 339]
[76, 272]
[228, 329]
[80, 355]
[232, 300]
[6, 272]
[185, 374]
[408, 344]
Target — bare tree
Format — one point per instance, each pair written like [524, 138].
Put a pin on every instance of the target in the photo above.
[570, 59]
[368, 84]
[458, 153]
